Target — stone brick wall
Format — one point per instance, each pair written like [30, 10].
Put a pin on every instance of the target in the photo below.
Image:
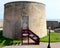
[13, 13]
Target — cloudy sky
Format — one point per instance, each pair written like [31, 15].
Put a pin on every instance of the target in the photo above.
[52, 8]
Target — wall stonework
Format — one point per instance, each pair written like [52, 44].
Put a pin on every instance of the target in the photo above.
[13, 13]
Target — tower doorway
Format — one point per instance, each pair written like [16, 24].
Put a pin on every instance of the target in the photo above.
[25, 22]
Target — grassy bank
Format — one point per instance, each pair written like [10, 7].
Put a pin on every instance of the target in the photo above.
[54, 37]
[6, 41]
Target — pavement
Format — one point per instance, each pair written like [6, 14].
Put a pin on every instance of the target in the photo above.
[42, 45]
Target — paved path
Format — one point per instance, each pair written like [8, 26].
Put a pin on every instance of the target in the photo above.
[42, 45]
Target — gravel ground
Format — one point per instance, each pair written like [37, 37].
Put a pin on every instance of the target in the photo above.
[42, 45]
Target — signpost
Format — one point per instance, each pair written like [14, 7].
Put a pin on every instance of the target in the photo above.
[49, 39]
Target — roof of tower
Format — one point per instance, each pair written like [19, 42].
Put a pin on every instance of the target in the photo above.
[24, 2]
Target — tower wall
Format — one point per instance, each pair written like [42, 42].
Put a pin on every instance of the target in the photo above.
[13, 13]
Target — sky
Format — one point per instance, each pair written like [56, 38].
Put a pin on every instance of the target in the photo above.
[52, 8]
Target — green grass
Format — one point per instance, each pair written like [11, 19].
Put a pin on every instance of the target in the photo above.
[6, 41]
[54, 37]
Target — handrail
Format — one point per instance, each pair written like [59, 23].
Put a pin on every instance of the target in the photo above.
[30, 32]
[34, 33]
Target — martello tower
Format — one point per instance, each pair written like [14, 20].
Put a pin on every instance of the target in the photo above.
[20, 15]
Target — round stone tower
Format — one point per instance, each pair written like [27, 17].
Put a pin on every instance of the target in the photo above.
[22, 14]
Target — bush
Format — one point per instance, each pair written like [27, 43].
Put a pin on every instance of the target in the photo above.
[1, 32]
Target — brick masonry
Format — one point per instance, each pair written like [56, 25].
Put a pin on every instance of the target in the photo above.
[13, 13]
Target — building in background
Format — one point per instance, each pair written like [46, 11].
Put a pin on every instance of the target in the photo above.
[52, 24]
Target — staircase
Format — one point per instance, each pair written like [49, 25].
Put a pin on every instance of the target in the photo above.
[29, 34]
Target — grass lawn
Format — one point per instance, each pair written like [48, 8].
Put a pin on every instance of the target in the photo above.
[5, 41]
[54, 37]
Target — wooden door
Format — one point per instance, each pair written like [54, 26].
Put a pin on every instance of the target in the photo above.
[25, 22]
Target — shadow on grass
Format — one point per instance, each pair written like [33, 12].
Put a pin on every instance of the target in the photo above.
[6, 41]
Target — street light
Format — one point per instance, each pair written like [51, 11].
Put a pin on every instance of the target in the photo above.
[49, 38]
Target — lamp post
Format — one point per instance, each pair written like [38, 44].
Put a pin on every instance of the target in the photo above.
[49, 39]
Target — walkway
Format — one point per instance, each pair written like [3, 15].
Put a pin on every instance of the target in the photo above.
[42, 45]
